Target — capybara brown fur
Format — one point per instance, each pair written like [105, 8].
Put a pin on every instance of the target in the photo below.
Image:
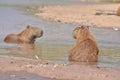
[118, 11]
[26, 36]
[86, 49]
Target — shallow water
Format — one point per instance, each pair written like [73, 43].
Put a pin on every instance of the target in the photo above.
[57, 39]
[45, 2]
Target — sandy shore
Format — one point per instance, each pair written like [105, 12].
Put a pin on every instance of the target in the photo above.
[57, 70]
[82, 15]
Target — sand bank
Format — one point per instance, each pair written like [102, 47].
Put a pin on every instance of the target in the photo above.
[57, 70]
[82, 15]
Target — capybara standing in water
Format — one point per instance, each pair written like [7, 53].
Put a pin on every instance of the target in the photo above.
[26, 36]
[118, 11]
[86, 49]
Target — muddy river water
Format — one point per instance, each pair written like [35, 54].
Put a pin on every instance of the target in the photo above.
[57, 39]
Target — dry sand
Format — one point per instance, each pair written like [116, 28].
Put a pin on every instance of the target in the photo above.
[82, 15]
[57, 70]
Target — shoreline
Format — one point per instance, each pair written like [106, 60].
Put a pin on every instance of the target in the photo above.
[82, 15]
[57, 70]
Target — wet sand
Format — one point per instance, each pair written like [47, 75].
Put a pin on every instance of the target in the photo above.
[82, 15]
[57, 70]
[21, 76]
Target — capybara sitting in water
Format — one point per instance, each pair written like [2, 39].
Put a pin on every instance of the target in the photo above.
[86, 49]
[26, 36]
[118, 11]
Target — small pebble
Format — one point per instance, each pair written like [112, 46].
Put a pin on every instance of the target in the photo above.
[41, 65]
[36, 57]
[116, 29]
[55, 65]
[29, 65]
[44, 65]
[11, 61]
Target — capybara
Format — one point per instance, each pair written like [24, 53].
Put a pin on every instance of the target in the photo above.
[26, 36]
[86, 49]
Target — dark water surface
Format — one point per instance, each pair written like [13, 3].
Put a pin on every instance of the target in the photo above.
[57, 39]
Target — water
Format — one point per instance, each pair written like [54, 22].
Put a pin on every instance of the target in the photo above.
[57, 39]
[44, 2]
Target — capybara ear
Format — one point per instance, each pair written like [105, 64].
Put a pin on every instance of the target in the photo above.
[83, 27]
[28, 26]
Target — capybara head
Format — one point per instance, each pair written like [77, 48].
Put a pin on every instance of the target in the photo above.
[118, 11]
[79, 30]
[33, 31]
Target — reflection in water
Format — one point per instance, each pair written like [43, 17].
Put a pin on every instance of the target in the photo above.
[26, 49]
[57, 52]
[23, 50]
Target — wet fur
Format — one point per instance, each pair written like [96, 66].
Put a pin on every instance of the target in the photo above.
[118, 11]
[26, 36]
[86, 49]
